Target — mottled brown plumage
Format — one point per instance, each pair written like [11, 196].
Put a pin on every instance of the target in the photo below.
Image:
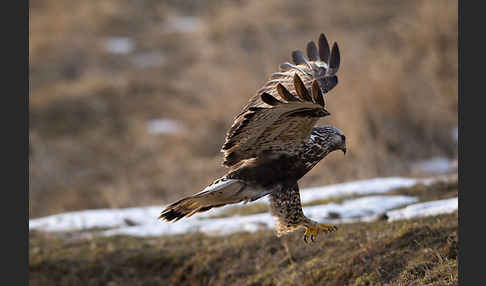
[273, 143]
[279, 126]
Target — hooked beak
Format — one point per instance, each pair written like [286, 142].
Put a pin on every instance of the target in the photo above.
[343, 148]
[343, 144]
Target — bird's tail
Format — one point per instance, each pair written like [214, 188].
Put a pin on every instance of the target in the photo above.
[220, 193]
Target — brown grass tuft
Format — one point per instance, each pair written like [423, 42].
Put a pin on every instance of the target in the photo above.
[416, 252]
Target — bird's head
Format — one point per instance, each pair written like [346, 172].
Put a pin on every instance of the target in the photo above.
[331, 137]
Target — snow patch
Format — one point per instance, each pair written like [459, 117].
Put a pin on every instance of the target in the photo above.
[119, 45]
[363, 187]
[353, 208]
[143, 220]
[99, 218]
[146, 217]
[432, 208]
[360, 207]
[164, 126]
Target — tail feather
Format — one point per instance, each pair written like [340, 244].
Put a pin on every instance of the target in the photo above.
[219, 194]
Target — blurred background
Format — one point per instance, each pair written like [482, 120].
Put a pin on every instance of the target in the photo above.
[130, 100]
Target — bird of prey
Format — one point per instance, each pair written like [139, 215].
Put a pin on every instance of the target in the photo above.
[273, 143]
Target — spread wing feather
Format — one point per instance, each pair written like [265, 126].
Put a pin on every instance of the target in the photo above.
[324, 50]
[280, 116]
[312, 51]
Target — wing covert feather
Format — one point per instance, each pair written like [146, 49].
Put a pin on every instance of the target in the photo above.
[281, 127]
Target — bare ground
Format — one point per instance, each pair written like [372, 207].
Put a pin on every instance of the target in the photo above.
[415, 252]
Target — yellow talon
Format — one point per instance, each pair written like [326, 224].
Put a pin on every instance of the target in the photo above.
[314, 229]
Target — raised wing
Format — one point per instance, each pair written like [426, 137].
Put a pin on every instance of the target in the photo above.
[280, 125]
[321, 65]
[257, 124]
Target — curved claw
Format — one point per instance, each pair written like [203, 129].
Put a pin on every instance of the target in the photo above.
[313, 230]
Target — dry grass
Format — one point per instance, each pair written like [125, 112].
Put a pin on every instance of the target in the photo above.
[416, 252]
[422, 251]
[89, 148]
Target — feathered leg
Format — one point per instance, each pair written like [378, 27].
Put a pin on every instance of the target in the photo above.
[286, 207]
